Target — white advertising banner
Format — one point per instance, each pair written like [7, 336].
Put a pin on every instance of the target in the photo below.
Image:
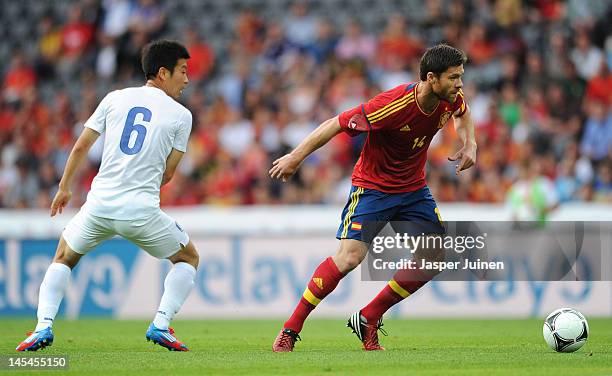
[257, 273]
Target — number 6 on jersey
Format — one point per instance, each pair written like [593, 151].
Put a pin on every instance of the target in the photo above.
[130, 127]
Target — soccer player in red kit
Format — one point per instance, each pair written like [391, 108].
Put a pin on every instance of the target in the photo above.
[388, 181]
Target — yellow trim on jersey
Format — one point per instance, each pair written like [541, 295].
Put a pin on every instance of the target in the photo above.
[399, 107]
[461, 110]
[391, 104]
[391, 108]
[309, 296]
[351, 211]
[399, 290]
[419, 106]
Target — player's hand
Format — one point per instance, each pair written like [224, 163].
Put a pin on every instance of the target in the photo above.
[466, 157]
[60, 201]
[284, 167]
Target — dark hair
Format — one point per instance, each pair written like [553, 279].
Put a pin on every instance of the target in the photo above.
[438, 59]
[161, 53]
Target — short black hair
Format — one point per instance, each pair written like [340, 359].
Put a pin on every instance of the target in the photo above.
[161, 53]
[439, 58]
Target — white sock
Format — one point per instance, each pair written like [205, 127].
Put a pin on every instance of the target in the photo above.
[51, 293]
[177, 286]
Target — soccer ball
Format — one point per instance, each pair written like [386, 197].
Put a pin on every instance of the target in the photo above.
[565, 330]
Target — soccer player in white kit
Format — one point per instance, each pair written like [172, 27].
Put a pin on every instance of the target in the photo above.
[145, 136]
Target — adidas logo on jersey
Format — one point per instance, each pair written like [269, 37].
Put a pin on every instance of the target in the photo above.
[318, 282]
[405, 128]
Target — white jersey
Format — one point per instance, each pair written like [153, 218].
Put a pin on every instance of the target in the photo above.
[141, 126]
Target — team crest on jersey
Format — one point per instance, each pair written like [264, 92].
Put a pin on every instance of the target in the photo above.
[444, 119]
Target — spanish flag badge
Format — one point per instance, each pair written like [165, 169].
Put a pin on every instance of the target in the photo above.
[356, 226]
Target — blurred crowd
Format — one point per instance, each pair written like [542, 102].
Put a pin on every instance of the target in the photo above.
[538, 82]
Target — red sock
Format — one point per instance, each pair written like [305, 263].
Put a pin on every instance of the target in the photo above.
[324, 280]
[404, 283]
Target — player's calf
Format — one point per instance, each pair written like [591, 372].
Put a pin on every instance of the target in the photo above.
[323, 281]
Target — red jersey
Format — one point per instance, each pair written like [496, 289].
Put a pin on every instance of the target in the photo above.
[399, 132]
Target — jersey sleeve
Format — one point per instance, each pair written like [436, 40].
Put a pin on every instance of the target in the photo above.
[97, 120]
[182, 132]
[460, 106]
[377, 113]
[353, 122]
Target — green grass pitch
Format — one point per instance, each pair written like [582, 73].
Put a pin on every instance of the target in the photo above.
[243, 347]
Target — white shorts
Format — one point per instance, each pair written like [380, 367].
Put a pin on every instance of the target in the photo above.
[159, 235]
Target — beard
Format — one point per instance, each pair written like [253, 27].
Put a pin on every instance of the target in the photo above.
[445, 95]
[440, 97]
[448, 96]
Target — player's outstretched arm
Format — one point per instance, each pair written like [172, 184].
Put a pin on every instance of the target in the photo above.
[78, 153]
[284, 167]
[464, 125]
[171, 163]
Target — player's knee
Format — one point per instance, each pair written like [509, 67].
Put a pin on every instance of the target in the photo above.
[187, 254]
[435, 255]
[65, 255]
[348, 258]
[352, 260]
[195, 260]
